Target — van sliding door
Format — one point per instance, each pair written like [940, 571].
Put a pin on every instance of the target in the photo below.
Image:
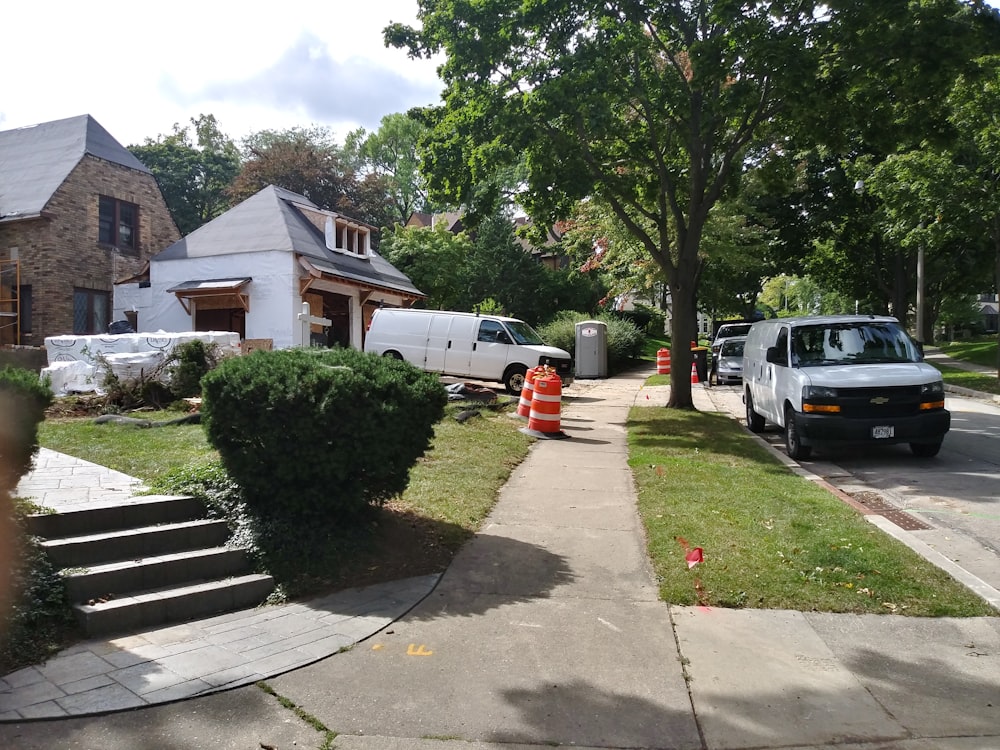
[458, 347]
[437, 343]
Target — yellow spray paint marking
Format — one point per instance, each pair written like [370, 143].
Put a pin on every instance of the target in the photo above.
[415, 650]
[377, 647]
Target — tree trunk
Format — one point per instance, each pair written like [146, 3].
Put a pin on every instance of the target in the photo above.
[684, 324]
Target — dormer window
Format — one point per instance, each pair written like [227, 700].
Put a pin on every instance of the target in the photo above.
[347, 236]
[118, 224]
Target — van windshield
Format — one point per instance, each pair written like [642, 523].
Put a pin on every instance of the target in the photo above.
[852, 343]
[523, 333]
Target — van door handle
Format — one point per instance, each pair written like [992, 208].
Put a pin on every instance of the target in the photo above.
[474, 345]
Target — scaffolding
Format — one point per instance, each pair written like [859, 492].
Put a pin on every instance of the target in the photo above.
[10, 302]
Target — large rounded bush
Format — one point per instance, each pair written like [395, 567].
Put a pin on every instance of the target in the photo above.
[318, 434]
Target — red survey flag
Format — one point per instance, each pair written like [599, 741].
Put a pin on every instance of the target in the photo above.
[694, 557]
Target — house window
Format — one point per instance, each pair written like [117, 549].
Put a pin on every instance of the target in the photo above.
[118, 223]
[23, 293]
[91, 311]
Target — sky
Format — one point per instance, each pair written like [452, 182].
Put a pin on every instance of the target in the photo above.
[140, 67]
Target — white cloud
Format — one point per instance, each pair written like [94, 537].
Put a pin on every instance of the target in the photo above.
[138, 68]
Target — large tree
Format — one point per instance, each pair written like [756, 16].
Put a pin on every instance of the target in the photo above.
[388, 158]
[649, 106]
[974, 111]
[193, 175]
[306, 161]
[435, 260]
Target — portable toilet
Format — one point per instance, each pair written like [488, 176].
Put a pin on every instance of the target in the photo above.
[591, 349]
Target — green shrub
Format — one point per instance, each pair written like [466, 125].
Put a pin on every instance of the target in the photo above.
[317, 435]
[23, 401]
[624, 342]
[35, 617]
[188, 364]
[649, 320]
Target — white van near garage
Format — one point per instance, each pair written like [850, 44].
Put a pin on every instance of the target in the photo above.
[843, 379]
[467, 345]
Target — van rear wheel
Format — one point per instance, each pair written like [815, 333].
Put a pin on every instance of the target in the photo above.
[793, 440]
[513, 378]
[392, 355]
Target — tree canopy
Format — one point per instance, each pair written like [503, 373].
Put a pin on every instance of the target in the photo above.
[193, 176]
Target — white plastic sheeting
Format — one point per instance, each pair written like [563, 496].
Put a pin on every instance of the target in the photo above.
[78, 364]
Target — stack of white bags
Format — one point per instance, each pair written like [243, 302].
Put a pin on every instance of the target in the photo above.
[77, 364]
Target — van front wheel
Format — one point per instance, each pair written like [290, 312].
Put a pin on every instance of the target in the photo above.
[755, 422]
[925, 450]
[793, 441]
[513, 379]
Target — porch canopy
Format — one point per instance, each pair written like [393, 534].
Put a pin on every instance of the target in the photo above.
[218, 292]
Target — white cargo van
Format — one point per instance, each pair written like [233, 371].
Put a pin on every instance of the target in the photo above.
[482, 347]
[842, 379]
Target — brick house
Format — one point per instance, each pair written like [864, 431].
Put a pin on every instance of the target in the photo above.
[77, 212]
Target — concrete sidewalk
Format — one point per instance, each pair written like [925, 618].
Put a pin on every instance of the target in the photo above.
[547, 630]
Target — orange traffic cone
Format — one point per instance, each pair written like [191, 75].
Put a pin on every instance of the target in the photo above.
[694, 373]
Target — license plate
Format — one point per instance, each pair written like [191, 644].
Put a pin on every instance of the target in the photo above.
[883, 431]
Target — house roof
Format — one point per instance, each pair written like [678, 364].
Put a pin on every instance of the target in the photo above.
[274, 220]
[35, 160]
[451, 220]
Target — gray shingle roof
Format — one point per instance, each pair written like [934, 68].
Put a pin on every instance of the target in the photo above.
[35, 160]
[270, 221]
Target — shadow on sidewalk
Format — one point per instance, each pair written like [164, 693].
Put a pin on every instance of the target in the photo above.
[490, 572]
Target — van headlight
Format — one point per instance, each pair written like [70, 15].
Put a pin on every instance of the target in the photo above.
[932, 389]
[932, 396]
[819, 399]
[818, 392]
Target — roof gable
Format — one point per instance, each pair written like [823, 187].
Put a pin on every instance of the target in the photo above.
[35, 160]
[276, 219]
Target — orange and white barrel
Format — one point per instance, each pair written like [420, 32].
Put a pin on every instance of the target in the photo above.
[524, 402]
[663, 362]
[546, 400]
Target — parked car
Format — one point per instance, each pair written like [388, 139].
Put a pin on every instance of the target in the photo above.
[726, 331]
[729, 368]
[842, 379]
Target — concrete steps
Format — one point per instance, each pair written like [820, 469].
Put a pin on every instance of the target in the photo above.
[149, 561]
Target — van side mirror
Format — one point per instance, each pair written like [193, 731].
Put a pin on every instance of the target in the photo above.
[775, 356]
[502, 337]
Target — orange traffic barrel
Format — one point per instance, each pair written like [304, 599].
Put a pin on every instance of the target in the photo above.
[524, 402]
[546, 400]
[663, 362]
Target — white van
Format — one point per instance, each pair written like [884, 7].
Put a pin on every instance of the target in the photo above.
[482, 347]
[842, 379]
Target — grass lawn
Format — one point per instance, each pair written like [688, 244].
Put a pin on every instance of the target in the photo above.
[981, 350]
[964, 379]
[771, 539]
[146, 453]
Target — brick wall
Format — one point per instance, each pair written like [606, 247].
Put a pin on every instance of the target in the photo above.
[60, 252]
